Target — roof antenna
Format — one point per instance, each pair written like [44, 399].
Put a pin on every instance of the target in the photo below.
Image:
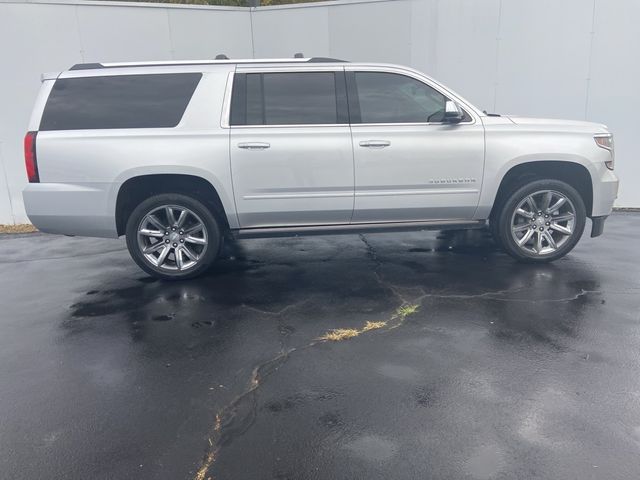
[298, 55]
[221, 56]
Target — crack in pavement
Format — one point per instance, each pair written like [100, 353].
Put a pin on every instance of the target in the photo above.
[238, 416]
[235, 418]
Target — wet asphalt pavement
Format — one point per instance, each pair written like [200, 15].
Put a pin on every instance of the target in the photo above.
[461, 364]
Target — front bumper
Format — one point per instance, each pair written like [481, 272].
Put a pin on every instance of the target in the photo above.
[605, 191]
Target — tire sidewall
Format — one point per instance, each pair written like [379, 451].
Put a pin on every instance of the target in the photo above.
[213, 234]
[506, 213]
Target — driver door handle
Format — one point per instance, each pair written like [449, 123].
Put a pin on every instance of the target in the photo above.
[254, 145]
[375, 143]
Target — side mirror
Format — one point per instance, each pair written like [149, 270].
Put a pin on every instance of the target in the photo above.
[452, 113]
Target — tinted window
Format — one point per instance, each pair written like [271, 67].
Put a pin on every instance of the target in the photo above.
[304, 98]
[123, 101]
[393, 98]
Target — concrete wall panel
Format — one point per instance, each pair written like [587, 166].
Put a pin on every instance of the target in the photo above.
[284, 32]
[202, 34]
[552, 58]
[544, 57]
[378, 32]
[614, 90]
[111, 34]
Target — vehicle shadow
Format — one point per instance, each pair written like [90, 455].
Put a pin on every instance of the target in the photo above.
[313, 284]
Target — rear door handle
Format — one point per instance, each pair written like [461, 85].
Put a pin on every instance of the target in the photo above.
[375, 143]
[254, 145]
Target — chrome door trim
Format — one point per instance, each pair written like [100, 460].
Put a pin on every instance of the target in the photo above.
[287, 196]
[431, 191]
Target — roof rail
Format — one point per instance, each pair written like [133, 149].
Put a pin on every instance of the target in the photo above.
[326, 60]
[219, 59]
[86, 66]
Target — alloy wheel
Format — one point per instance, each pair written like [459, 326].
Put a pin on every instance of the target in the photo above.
[172, 237]
[543, 222]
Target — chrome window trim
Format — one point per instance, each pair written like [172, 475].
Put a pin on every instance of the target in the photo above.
[226, 107]
[289, 69]
[301, 125]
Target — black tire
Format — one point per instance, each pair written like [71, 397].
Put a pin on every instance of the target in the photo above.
[502, 226]
[211, 232]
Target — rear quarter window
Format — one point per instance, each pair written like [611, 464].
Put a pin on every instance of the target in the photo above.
[122, 101]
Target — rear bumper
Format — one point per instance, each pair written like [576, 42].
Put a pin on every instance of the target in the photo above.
[71, 209]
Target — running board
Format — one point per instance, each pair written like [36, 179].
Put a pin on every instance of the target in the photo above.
[357, 228]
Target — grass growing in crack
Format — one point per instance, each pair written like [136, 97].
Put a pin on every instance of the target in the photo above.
[405, 310]
[339, 334]
[373, 326]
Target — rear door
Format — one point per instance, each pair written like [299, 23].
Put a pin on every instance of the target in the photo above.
[290, 144]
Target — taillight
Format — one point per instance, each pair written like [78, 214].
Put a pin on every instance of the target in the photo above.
[30, 157]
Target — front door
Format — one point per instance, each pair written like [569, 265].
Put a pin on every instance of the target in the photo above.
[410, 166]
[290, 143]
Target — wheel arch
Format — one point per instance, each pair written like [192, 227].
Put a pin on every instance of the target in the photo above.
[572, 173]
[140, 187]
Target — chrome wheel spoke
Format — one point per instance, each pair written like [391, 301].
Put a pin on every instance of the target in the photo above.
[526, 237]
[192, 256]
[560, 228]
[556, 206]
[163, 255]
[521, 227]
[193, 229]
[179, 259]
[550, 241]
[153, 248]
[546, 201]
[524, 213]
[151, 233]
[170, 216]
[563, 217]
[538, 246]
[152, 219]
[181, 218]
[532, 203]
[196, 240]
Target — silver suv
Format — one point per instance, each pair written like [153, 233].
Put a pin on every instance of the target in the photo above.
[177, 155]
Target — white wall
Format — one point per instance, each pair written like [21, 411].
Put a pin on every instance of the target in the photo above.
[557, 58]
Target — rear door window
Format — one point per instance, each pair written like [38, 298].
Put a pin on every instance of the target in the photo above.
[289, 98]
[119, 101]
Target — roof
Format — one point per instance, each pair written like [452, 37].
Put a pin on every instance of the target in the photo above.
[221, 59]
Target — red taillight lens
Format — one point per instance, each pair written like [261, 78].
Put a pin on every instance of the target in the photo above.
[30, 157]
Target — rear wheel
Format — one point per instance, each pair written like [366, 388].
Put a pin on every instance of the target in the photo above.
[541, 221]
[173, 236]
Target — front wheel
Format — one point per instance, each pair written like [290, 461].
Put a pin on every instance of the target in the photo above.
[541, 221]
[173, 236]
